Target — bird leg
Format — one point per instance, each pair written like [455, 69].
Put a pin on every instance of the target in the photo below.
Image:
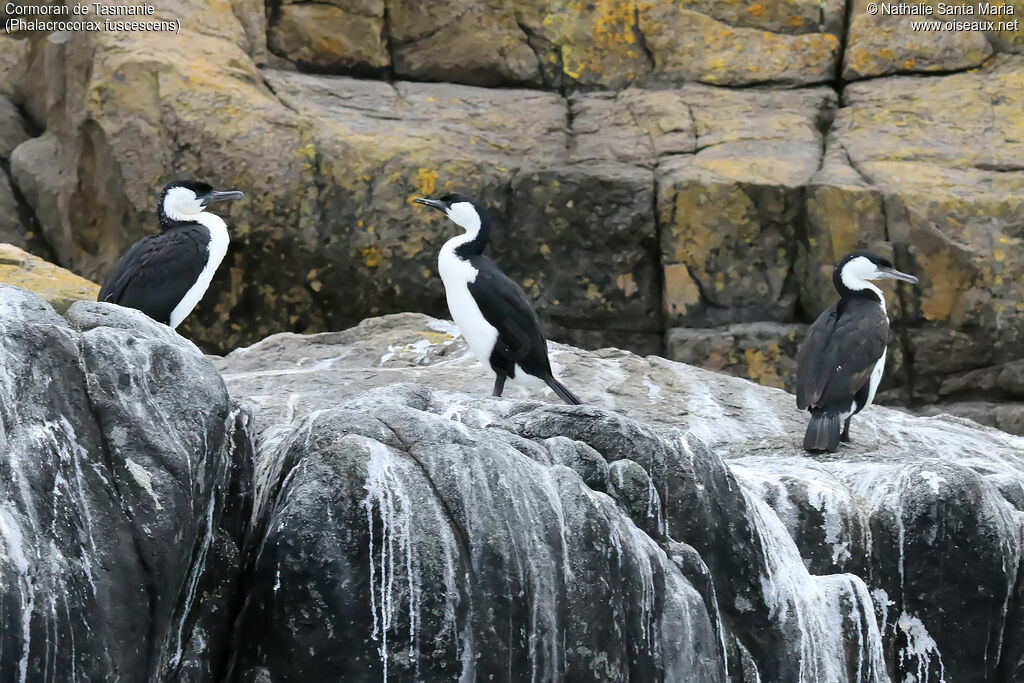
[845, 436]
[499, 384]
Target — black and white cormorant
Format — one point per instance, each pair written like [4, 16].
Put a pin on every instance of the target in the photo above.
[842, 358]
[493, 312]
[165, 275]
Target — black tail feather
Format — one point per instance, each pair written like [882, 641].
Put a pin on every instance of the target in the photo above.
[562, 392]
[823, 432]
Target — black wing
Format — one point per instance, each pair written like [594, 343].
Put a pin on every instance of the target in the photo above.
[154, 275]
[839, 353]
[505, 305]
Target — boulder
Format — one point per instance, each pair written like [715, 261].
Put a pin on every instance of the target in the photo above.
[60, 288]
[890, 42]
[346, 36]
[120, 448]
[12, 128]
[672, 527]
[762, 352]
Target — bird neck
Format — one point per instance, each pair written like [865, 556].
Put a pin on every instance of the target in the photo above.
[851, 287]
[474, 240]
[210, 220]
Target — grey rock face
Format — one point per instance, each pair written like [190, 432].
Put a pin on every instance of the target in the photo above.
[119, 446]
[670, 529]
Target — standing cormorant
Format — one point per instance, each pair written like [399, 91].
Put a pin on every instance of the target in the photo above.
[493, 312]
[840, 363]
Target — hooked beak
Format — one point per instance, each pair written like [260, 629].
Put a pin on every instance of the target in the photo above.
[893, 274]
[214, 196]
[434, 203]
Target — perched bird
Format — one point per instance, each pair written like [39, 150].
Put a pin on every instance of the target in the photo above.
[842, 358]
[493, 312]
[165, 275]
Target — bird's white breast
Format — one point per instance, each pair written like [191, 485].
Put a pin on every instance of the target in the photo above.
[216, 251]
[456, 274]
[876, 379]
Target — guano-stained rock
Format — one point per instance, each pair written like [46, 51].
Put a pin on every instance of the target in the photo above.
[120, 446]
[898, 556]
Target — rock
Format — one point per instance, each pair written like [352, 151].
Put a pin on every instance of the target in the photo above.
[12, 55]
[948, 201]
[602, 219]
[887, 43]
[762, 352]
[120, 445]
[11, 229]
[1008, 417]
[896, 556]
[611, 43]
[479, 43]
[346, 36]
[689, 45]
[12, 128]
[253, 17]
[883, 43]
[728, 213]
[58, 287]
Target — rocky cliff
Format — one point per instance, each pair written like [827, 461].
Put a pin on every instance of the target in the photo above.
[351, 506]
[672, 176]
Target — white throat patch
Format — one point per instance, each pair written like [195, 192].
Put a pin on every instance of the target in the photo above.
[464, 215]
[857, 272]
[182, 204]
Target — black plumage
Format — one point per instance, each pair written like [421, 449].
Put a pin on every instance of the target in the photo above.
[502, 303]
[521, 340]
[839, 365]
[165, 275]
[156, 273]
[835, 363]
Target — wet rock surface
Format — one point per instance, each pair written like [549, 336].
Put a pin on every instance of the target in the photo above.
[676, 507]
[120, 446]
[360, 487]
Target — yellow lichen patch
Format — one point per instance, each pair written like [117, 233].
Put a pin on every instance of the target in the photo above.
[371, 256]
[946, 283]
[545, 250]
[627, 284]
[763, 365]
[597, 40]
[59, 287]
[680, 289]
[426, 181]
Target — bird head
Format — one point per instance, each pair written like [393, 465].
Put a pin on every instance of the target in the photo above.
[464, 211]
[857, 268]
[183, 200]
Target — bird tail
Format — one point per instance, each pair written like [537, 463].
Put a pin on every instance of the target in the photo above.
[823, 432]
[562, 392]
